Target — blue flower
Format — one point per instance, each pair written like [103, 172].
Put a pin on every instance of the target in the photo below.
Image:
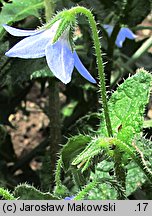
[69, 198]
[122, 35]
[39, 43]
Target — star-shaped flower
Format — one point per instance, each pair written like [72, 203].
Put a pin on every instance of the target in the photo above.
[122, 35]
[59, 55]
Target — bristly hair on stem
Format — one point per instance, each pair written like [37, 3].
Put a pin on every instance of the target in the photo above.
[98, 52]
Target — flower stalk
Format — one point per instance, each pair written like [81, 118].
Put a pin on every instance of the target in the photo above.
[97, 45]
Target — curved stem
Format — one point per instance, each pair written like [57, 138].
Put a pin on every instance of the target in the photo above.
[89, 15]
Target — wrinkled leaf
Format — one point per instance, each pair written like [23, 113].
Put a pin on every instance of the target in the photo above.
[127, 106]
[103, 191]
[135, 178]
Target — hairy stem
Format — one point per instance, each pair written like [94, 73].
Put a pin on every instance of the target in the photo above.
[135, 154]
[58, 173]
[6, 194]
[81, 195]
[120, 172]
[93, 25]
[49, 9]
[144, 47]
[55, 124]
[54, 107]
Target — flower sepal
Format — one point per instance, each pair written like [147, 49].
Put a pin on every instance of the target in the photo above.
[67, 20]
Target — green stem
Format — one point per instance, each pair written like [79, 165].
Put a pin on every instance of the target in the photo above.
[128, 65]
[120, 172]
[6, 194]
[59, 190]
[135, 155]
[89, 15]
[81, 195]
[58, 173]
[144, 47]
[54, 106]
[49, 9]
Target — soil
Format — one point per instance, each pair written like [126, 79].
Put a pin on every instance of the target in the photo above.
[29, 124]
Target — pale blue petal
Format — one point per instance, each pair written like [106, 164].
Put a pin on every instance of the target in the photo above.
[123, 34]
[120, 38]
[108, 28]
[128, 33]
[60, 60]
[20, 32]
[32, 46]
[69, 198]
[81, 69]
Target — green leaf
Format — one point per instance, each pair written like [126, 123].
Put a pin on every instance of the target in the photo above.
[18, 10]
[93, 149]
[106, 189]
[74, 146]
[27, 192]
[135, 178]
[127, 105]
[45, 72]
[83, 193]
[68, 109]
[145, 146]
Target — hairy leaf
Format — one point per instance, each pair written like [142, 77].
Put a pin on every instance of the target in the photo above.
[27, 192]
[127, 105]
[104, 190]
[135, 178]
